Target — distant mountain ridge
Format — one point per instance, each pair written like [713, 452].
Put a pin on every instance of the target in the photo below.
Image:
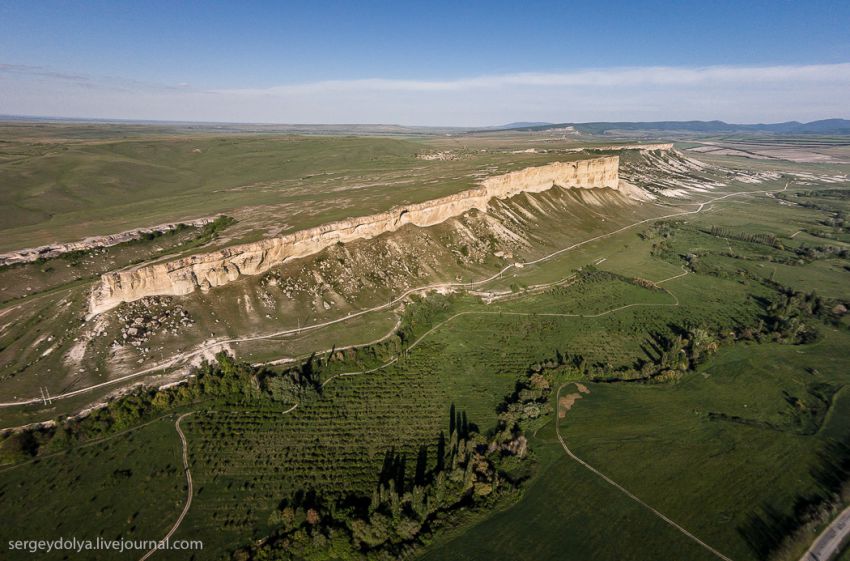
[521, 125]
[824, 126]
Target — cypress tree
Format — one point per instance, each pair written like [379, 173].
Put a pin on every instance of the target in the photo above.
[441, 452]
[401, 468]
[465, 425]
[421, 465]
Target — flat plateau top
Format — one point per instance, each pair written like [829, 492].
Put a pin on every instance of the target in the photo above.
[60, 187]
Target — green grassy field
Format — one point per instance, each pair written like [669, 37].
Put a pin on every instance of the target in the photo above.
[712, 477]
[128, 486]
[568, 513]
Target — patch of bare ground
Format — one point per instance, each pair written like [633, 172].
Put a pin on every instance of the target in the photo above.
[566, 402]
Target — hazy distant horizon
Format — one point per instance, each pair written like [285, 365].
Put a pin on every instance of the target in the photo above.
[517, 124]
[440, 64]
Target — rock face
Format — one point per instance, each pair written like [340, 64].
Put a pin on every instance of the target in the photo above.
[665, 146]
[183, 276]
[49, 251]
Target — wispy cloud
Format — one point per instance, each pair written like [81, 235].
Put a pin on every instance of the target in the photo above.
[24, 72]
[651, 75]
[740, 93]
[41, 72]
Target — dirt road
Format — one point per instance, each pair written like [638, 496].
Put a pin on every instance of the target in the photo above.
[625, 491]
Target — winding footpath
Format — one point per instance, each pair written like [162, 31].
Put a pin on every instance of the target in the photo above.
[622, 489]
[488, 299]
[190, 490]
[182, 359]
[163, 543]
[422, 337]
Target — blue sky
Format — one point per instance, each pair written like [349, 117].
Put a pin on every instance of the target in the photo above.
[440, 63]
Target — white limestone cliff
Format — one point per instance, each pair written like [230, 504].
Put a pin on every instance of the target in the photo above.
[185, 275]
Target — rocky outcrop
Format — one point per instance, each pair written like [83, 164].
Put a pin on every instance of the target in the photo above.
[55, 250]
[183, 276]
[665, 146]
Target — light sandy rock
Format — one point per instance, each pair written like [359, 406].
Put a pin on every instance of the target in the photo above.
[665, 146]
[183, 276]
[50, 251]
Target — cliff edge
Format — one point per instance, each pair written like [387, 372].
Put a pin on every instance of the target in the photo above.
[205, 271]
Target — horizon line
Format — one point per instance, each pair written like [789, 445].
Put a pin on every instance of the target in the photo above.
[10, 117]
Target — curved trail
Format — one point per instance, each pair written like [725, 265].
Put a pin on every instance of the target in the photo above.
[189, 492]
[185, 444]
[622, 489]
[531, 290]
[204, 348]
[395, 359]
